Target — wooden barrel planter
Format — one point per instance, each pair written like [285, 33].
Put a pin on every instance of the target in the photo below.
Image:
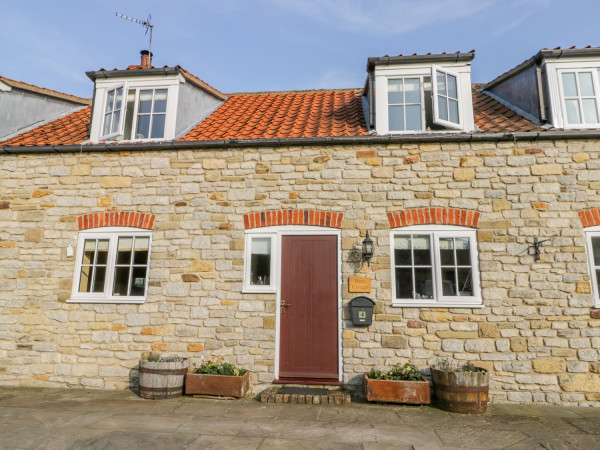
[160, 379]
[461, 392]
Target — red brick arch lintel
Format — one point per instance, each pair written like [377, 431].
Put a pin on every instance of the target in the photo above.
[309, 217]
[116, 219]
[590, 217]
[437, 216]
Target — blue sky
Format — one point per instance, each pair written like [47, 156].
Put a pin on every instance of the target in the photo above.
[259, 45]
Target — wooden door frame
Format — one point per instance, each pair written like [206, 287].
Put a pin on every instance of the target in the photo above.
[306, 231]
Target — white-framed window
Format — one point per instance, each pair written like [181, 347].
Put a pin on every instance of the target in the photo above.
[405, 104]
[113, 112]
[446, 105]
[592, 240]
[259, 263]
[146, 114]
[112, 266]
[580, 97]
[435, 266]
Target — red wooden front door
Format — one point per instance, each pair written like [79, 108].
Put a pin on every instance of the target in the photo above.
[309, 325]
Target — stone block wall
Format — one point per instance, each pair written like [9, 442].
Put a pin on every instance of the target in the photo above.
[537, 332]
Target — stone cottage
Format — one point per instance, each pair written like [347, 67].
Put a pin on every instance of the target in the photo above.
[169, 216]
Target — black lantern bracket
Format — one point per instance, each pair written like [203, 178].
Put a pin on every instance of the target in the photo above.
[367, 249]
[536, 248]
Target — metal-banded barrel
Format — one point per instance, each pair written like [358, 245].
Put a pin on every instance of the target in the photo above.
[160, 380]
[461, 392]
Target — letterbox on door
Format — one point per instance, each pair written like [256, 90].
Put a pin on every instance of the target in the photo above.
[362, 310]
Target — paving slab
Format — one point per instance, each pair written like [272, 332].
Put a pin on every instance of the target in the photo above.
[34, 418]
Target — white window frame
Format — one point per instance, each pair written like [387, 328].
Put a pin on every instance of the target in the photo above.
[436, 232]
[589, 234]
[112, 234]
[563, 100]
[266, 288]
[151, 114]
[434, 98]
[121, 116]
[422, 104]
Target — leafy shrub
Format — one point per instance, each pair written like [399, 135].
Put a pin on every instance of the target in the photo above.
[222, 368]
[155, 357]
[452, 366]
[407, 372]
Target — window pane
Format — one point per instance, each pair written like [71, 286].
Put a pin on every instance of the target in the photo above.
[449, 281]
[413, 117]
[129, 114]
[596, 250]
[412, 90]
[107, 124]
[102, 257]
[143, 127]
[586, 84]
[138, 281]
[573, 111]
[158, 126]
[569, 85]
[465, 287]
[89, 250]
[145, 102]
[423, 283]
[441, 83]
[260, 261]
[109, 101]
[124, 250]
[99, 277]
[395, 92]
[160, 101]
[115, 124]
[402, 253]
[590, 113]
[422, 250]
[85, 279]
[404, 283]
[121, 281]
[598, 279]
[442, 107]
[118, 98]
[447, 251]
[452, 90]
[463, 252]
[140, 255]
[396, 118]
[453, 111]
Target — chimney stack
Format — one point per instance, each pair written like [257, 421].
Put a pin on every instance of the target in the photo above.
[146, 59]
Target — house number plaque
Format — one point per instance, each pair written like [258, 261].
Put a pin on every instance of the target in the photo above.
[359, 284]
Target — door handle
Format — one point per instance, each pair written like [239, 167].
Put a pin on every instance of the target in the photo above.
[283, 306]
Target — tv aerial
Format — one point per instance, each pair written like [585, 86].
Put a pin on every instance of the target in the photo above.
[145, 23]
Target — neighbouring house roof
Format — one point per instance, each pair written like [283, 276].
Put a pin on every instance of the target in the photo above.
[44, 91]
[268, 115]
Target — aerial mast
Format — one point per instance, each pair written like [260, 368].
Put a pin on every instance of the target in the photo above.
[146, 23]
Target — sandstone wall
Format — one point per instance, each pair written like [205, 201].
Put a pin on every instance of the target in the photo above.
[537, 331]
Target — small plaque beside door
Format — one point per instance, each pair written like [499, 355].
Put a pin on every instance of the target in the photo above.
[359, 284]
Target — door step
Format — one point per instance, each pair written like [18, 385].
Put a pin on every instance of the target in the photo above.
[306, 395]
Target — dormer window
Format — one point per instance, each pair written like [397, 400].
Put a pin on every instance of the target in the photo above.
[150, 111]
[420, 93]
[580, 96]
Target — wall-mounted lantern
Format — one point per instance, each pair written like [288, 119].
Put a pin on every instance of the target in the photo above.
[367, 249]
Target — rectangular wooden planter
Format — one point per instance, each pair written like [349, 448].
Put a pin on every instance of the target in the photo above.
[393, 391]
[218, 385]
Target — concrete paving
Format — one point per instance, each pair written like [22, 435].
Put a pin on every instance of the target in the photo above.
[91, 419]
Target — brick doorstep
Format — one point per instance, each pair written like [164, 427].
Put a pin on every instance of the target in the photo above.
[335, 397]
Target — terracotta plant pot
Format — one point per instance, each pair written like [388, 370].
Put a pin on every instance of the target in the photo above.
[397, 391]
[461, 392]
[217, 385]
[160, 379]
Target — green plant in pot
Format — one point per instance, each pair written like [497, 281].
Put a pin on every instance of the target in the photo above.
[400, 384]
[218, 379]
[461, 388]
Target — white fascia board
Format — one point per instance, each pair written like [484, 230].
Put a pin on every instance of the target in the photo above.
[5, 87]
